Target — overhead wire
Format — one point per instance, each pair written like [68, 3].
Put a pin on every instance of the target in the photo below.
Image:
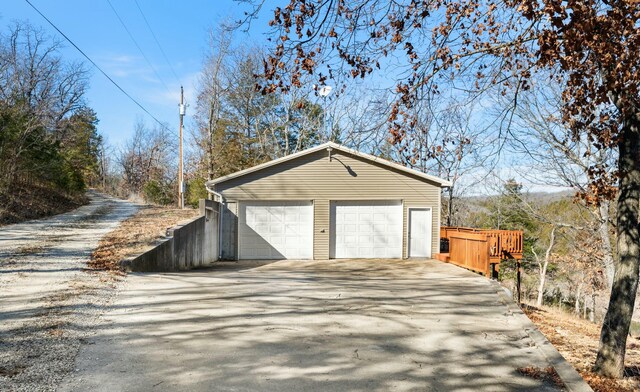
[155, 38]
[101, 70]
[124, 25]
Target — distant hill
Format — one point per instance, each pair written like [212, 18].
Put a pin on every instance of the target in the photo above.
[469, 207]
[545, 197]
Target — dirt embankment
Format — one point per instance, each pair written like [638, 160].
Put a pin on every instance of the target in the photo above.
[137, 234]
[577, 340]
[33, 201]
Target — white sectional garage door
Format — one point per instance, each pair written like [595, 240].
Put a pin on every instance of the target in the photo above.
[366, 229]
[275, 230]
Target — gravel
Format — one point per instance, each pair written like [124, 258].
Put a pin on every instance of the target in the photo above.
[50, 300]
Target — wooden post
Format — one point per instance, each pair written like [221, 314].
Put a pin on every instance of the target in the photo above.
[494, 271]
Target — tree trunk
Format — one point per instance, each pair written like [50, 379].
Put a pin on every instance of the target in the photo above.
[576, 306]
[543, 277]
[210, 135]
[584, 307]
[607, 252]
[615, 327]
[450, 207]
[545, 265]
[286, 132]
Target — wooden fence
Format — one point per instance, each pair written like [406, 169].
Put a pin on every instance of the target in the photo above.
[482, 250]
[470, 250]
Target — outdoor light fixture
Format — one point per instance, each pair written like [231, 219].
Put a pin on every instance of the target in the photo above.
[324, 91]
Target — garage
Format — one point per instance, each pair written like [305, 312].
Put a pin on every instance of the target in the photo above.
[328, 201]
[275, 230]
[366, 229]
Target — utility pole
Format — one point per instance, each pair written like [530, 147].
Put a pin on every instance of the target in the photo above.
[211, 130]
[180, 163]
[104, 168]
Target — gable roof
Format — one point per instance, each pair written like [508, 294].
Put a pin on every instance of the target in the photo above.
[335, 146]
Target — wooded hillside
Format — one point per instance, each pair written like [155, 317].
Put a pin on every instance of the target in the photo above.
[48, 137]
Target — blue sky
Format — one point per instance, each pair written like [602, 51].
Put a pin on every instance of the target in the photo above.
[181, 28]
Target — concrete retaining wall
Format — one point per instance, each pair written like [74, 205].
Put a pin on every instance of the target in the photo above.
[191, 245]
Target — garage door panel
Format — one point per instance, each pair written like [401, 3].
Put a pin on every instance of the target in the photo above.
[379, 253]
[291, 230]
[378, 217]
[365, 240]
[291, 240]
[366, 229]
[379, 239]
[275, 230]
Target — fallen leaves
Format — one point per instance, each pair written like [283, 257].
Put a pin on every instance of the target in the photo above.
[577, 340]
[548, 374]
[136, 234]
[33, 201]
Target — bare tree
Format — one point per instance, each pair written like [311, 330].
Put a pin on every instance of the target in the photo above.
[148, 160]
[212, 86]
[557, 158]
[543, 265]
[480, 43]
[38, 91]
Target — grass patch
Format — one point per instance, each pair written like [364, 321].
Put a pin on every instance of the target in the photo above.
[635, 329]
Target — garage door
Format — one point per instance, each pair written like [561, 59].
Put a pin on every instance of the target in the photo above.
[275, 230]
[366, 229]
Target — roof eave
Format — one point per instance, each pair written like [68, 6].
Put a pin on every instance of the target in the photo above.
[442, 182]
[267, 164]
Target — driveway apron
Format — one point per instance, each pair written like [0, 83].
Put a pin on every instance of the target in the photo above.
[348, 325]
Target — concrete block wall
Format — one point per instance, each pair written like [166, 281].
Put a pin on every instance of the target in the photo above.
[191, 245]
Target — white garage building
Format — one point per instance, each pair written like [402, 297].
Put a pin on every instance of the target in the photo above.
[329, 202]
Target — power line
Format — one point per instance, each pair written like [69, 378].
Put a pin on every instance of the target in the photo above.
[158, 43]
[100, 69]
[138, 46]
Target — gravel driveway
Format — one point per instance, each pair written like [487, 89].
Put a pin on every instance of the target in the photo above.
[48, 301]
[353, 325]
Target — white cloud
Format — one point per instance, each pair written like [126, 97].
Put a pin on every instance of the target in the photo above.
[171, 98]
[126, 66]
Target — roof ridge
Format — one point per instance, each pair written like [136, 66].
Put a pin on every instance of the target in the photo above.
[340, 147]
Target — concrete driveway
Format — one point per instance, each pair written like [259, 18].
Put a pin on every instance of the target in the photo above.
[311, 326]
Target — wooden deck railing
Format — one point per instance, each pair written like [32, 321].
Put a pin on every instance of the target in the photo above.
[505, 244]
[478, 249]
[470, 250]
